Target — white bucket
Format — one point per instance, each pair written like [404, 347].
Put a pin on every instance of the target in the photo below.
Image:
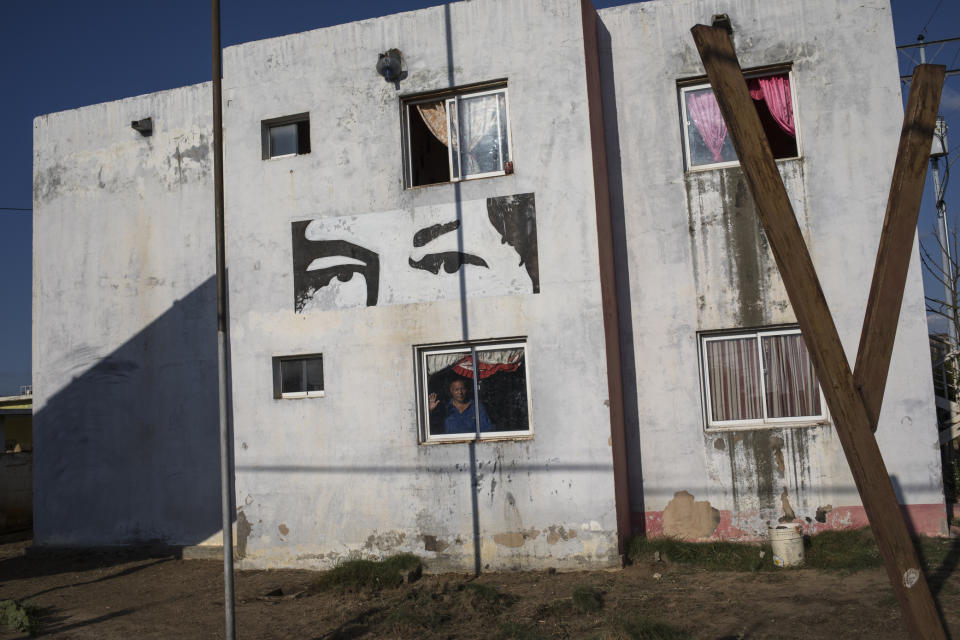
[787, 543]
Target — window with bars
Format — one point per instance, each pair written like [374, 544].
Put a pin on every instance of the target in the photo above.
[759, 378]
[457, 135]
[298, 376]
[473, 391]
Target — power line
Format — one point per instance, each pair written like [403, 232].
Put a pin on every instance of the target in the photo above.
[924, 30]
[14, 209]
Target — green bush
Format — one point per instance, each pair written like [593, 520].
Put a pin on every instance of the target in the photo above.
[356, 575]
[19, 617]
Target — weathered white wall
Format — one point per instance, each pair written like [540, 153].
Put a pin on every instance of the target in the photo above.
[124, 324]
[695, 259]
[124, 314]
[321, 479]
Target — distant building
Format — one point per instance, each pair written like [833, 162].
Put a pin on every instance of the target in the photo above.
[16, 462]
[503, 309]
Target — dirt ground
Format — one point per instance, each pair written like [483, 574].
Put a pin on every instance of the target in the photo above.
[111, 595]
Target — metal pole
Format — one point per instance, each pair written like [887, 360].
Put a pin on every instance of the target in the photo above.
[226, 498]
[943, 234]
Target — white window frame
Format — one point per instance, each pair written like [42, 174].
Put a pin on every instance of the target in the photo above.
[453, 99]
[685, 123]
[765, 422]
[423, 391]
[278, 361]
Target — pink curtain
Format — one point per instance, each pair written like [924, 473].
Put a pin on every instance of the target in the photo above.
[775, 91]
[734, 377]
[705, 113]
[792, 390]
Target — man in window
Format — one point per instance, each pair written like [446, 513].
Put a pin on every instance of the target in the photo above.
[459, 415]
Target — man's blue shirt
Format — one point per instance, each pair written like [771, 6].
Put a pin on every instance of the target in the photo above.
[466, 422]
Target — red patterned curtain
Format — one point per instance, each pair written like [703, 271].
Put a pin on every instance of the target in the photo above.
[734, 378]
[791, 384]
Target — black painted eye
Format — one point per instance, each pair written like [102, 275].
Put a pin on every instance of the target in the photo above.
[450, 261]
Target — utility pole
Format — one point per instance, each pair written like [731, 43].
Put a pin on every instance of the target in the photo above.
[226, 479]
[937, 151]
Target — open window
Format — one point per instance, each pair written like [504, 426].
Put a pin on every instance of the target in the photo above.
[298, 376]
[452, 377]
[286, 136]
[706, 143]
[457, 135]
[759, 378]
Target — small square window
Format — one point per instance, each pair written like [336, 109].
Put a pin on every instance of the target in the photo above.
[457, 135]
[452, 377]
[706, 143]
[760, 378]
[287, 136]
[298, 376]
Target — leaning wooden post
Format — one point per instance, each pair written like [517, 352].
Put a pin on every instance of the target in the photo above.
[819, 332]
[896, 240]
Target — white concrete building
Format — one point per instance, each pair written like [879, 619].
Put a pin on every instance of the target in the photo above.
[504, 311]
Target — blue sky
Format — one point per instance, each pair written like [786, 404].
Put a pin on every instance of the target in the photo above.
[63, 54]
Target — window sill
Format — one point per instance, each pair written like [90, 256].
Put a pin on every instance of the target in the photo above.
[286, 155]
[300, 394]
[700, 168]
[481, 176]
[503, 438]
[786, 424]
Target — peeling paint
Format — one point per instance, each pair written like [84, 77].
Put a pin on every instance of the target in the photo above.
[387, 541]
[788, 514]
[558, 533]
[432, 543]
[686, 518]
[515, 538]
[822, 512]
[243, 533]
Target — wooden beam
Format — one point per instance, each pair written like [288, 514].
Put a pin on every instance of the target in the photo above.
[823, 342]
[896, 239]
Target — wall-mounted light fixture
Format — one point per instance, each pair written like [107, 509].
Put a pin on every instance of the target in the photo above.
[722, 20]
[144, 126]
[390, 66]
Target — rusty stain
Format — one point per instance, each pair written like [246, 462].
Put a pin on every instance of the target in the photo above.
[283, 529]
[243, 532]
[558, 533]
[515, 539]
[685, 517]
[788, 514]
[431, 543]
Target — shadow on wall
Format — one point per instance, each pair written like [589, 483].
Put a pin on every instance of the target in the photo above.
[128, 451]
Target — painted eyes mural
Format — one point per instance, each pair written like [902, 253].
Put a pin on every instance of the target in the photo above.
[364, 260]
[317, 264]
